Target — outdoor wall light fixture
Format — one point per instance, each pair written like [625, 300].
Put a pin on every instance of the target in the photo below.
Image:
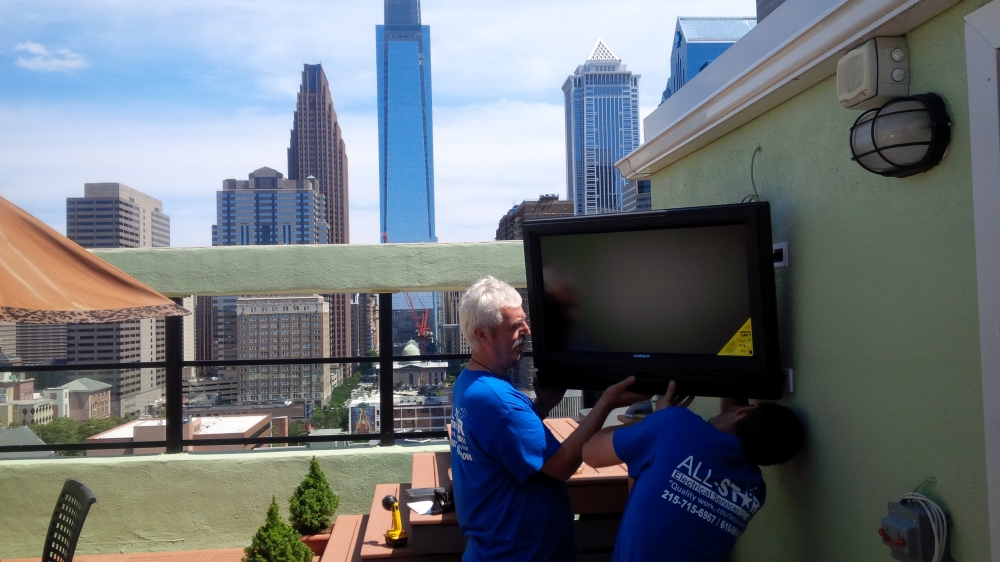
[905, 136]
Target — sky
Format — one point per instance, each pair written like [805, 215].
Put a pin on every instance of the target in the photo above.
[171, 98]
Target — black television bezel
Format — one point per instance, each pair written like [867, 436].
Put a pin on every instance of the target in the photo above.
[758, 376]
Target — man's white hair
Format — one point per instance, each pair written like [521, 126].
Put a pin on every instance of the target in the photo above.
[482, 304]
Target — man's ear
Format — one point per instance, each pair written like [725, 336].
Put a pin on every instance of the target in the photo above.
[480, 335]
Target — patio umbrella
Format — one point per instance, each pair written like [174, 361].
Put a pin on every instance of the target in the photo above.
[46, 278]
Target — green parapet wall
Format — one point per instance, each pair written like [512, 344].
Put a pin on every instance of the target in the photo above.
[320, 268]
[184, 501]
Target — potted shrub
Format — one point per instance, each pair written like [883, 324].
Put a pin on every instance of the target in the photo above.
[312, 506]
[276, 541]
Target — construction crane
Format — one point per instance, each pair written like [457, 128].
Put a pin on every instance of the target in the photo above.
[423, 332]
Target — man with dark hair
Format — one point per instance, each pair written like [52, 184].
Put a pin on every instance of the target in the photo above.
[697, 483]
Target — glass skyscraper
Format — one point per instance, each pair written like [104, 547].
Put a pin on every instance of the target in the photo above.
[602, 126]
[405, 134]
[267, 209]
[699, 41]
[405, 138]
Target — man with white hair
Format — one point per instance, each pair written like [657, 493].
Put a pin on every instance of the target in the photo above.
[508, 470]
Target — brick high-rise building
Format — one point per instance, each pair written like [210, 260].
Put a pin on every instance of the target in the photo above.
[290, 327]
[113, 215]
[317, 149]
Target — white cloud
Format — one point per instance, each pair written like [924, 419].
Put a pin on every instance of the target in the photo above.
[62, 60]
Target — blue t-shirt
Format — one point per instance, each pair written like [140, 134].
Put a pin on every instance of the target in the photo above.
[694, 492]
[505, 506]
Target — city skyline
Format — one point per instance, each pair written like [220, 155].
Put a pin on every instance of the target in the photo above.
[130, 93]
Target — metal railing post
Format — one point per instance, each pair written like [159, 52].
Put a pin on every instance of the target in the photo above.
[174, 344]
[385, 369]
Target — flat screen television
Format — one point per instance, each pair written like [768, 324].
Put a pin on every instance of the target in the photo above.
[681, 294]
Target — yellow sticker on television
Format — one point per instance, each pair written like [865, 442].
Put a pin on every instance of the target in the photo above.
[741, 344]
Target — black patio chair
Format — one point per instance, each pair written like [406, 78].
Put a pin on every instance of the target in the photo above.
[67, 522]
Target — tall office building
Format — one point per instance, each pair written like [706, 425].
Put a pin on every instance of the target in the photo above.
[8, 351]
[602, 126]
[405, 137]
[364, 323]
[699, 41]
[41, 344]
[317, 150]
[8, 338]
[113, 215]
[405, 125]
[265, 209]
[450, 338]
[203, 333]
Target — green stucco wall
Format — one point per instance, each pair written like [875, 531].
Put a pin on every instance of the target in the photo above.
[185, 501]
[320, 268]
[878, 311]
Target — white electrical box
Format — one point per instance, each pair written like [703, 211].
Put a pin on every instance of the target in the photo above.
[874, 73]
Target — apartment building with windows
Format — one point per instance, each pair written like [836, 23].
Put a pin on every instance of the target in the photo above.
[290, 327]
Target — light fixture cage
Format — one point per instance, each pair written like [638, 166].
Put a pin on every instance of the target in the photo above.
[905, 136]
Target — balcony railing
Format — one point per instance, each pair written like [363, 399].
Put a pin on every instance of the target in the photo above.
[286, 270]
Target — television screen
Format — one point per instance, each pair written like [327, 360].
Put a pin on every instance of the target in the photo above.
[685, 294]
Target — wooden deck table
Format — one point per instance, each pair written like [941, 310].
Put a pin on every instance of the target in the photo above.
[599, 494]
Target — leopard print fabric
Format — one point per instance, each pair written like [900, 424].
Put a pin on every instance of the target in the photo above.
[28, 316]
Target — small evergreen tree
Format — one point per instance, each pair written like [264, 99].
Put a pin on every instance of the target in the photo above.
[276, 541]
[313, 504]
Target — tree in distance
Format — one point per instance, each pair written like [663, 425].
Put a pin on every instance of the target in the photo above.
[276, 541]
[336, 414]
[297, 428]
[67, 430]
[313, 504]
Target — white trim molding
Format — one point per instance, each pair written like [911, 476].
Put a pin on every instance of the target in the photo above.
[796, 47]
[982, 41]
